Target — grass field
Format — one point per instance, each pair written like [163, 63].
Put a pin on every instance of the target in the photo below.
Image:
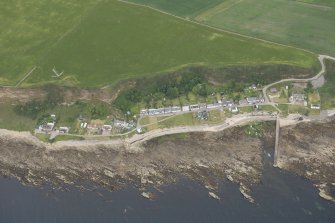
[184, 8]
[30, 28]
[307, 24]
[101, 44]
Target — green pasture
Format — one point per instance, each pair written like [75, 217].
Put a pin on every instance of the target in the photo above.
[104, 42]
[307, 24]
[29, 29]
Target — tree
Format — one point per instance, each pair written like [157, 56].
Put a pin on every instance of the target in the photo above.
[172, 93]
[200, 89]
[309, 88]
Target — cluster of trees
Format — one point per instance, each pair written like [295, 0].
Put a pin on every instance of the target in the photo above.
[158, 88]
[99, 111]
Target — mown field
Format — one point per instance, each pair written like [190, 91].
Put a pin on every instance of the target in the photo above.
[101, 44]
[308, 24]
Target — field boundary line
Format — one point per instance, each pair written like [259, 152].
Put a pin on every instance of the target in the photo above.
[214, 10]
[215, 28]
[320, 6]
[20, 81]
[26, 76]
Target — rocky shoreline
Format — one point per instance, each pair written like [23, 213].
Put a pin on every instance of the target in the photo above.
[308, 149]
[205, 157]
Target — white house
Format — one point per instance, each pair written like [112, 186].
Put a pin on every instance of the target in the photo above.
[315, 106]
[233, 109]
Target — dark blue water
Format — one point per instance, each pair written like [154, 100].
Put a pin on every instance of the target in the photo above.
[282, 197]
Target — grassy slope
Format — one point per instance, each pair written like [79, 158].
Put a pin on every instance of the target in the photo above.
[185, 8]
[288, 22]
[118, 41]
[327, 92]
[29, 28]
[9, 119]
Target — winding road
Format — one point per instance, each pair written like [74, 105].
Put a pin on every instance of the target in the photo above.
[323, 70]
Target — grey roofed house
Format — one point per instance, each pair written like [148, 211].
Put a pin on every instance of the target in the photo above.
[252, 100]
[202, 106]
[176, 109]
[214, 105]
[227, 102]
[119, 123]
[194, 107]
[107, 127]
[273, 90]
[253, 86]
[297, 98]
[243, 102]
[168, 110]
[48, 127]
[144, 112]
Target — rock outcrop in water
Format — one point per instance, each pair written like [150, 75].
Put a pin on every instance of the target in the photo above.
[308, 149]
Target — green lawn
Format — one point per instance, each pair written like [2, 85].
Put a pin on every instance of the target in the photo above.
[188, 119]
[116, 41]
[308, 26]
[246, 109]
[293, 109]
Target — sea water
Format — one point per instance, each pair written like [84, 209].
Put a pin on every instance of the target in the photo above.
[281, 197]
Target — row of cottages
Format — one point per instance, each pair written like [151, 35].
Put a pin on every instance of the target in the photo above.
[196, 107]
[186, 108]
[160, 111]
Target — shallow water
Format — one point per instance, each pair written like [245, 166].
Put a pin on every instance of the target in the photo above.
[282, 197]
